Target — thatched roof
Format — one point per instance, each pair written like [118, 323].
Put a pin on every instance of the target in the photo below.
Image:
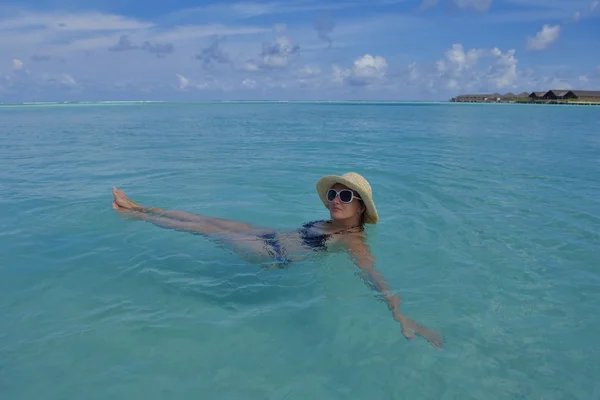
[577, 93]
[586, 93]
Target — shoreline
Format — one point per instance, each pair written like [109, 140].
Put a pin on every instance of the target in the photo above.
[541, 103]
[555, 97]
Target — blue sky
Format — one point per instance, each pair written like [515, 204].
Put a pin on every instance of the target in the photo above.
[57, 50]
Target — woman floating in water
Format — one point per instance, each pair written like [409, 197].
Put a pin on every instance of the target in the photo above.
[350, 203]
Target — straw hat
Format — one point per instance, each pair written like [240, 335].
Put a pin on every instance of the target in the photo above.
[355, 182]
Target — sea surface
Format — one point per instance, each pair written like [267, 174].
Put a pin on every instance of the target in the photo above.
[489, 233]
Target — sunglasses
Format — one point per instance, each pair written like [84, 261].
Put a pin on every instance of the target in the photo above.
[346, 195]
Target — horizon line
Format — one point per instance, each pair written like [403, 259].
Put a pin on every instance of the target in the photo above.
[67, 102]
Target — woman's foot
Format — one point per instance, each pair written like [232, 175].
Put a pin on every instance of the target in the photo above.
[123, 203]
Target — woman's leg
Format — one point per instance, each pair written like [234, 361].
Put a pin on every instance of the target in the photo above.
[213, 225]
[169, 223]
[246, 244]
[232, 226]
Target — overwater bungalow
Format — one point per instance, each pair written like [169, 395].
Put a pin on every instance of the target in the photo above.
[551, 96]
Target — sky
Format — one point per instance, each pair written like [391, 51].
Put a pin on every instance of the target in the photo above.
[182, 50]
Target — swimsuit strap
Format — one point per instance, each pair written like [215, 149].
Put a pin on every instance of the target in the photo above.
[309, 225]
[345, 230]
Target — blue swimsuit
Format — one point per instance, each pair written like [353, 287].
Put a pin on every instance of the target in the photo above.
[317, 242]
[314, 241]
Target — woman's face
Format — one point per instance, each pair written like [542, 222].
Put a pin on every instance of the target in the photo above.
[342, 211]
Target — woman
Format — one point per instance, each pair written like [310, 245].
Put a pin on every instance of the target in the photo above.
[349, 200]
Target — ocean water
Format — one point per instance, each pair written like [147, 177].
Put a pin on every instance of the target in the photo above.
[489, 232]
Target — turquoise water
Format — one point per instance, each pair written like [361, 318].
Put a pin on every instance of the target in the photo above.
[489, 232]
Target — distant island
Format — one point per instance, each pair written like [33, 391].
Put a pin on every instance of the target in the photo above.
[582, 97]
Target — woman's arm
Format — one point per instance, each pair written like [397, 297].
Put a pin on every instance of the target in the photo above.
[364, 259]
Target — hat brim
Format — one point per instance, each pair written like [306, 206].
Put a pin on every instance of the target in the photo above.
[326, 182]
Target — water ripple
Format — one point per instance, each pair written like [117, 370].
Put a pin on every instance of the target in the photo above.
[489, 233]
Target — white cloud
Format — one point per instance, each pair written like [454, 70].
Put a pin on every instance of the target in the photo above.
[203, 82]
[370, 65]
[249, 9]
[413, 72]
[594, 5]
[75, 45]
[278, 54]
[66, 79]
[366, 70]
[250, 66]
[104, 72]
[17, 64]
[479, 5]
[183, 81]
[309, 76]
[504, 71]
[274, 59]
[273, 55]
[452, 84]
[544, 38]
[308, 71]
[559, 83]
[249, 84]
[556, 4]
[523, 11]
[457, 68]
[470, 70]
[63, 22]
[24, 84]
[192, 32]
[494, 70]
[66, 33]
[457, 59]
[253, 9]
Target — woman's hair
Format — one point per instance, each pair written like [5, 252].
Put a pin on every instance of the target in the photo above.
[362, 214]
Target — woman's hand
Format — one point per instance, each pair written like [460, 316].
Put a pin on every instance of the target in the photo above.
[410, 328]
